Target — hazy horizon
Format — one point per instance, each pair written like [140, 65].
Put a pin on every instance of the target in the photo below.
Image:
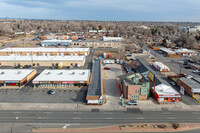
[104, 10]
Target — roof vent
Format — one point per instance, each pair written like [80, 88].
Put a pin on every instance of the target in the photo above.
[60, 73]
[2, 73]
[48, 73]
[83, 73]
[73, 73]
[19, 72]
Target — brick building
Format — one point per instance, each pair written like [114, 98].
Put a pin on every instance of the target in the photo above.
[134, 86]
[191, 86]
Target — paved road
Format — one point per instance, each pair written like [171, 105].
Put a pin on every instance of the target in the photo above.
[95, 117]
[24, 121]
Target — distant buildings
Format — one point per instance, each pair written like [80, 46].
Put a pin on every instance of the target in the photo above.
[56, 42]
[42, 51]
[185, 52]
[118, 39]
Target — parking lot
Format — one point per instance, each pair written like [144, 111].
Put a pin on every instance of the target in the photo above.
[110, 86]
[30, 95]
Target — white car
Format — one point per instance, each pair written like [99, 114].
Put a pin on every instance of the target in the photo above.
[196, 71]
[189, 76]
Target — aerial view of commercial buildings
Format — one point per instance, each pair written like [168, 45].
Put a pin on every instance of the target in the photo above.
[99, 76]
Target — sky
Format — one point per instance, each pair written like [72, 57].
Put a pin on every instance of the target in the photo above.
[103, 10]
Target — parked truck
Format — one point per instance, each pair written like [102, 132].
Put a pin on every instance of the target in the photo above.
[60, 65]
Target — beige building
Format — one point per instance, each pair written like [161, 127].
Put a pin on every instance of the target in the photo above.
[62, 78]
[16, 78]
[97, 43]
[42, 60]
[42, 51]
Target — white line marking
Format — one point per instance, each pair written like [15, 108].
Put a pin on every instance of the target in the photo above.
[171, 118]
[195, 113]
[108, 118]
[167, 113]
[47, 112]
[76, 118]
[77, 112]
[108, 113]
[16, 112]
[140, 118]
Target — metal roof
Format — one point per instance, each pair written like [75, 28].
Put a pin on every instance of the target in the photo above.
[194, 83]
[94, 88]
[14, 74]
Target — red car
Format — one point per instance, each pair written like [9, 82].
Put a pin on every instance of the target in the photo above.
[106, 68]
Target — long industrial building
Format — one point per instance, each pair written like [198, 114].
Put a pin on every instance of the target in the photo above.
[42, 51]
[42, 60]
[56, 42]
[95, 89]
[16, 78]
[62, 78]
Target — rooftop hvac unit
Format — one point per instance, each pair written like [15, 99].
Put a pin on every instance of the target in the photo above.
[83, 73]
[73, 73]
[19, 72]
[60, 73]
[2, 73]
[48, 73]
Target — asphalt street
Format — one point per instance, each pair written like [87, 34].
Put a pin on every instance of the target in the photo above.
[98, 117]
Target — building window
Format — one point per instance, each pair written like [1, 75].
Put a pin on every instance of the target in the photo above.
[165, 98]
[137, 91]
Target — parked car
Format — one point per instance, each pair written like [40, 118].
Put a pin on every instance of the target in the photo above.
[173, 83]
[106, 68]
[132, 102]
[181, 62]
[189, 76]
[196, 71]
[187, 67]
[52, 92]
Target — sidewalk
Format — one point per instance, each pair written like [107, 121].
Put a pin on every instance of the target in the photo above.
[142, 105]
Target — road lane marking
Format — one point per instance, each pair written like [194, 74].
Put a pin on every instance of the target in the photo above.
[16, 112]
[195, 113]
[43, 118]
[77, 112]
[108, 113]
[167, 113]
[108, 118]
[76, 118]
[140, 118]
[47, 112]
[170, 117]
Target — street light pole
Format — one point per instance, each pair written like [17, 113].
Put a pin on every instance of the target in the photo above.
[13, 124]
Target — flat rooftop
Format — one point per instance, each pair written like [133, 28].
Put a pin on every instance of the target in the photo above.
[42, 49]
[194, 83]
[61, 41]
[167, 50]
[184, 50]
[42, 58]
[94, 88]
[14, 74]
[163, 89]
[63, 75]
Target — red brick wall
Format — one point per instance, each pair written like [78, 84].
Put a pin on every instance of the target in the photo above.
[131, 90]
[187, 88]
